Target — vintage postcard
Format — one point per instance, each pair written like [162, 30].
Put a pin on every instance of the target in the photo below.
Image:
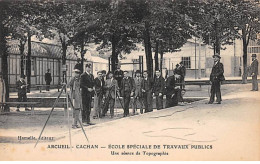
[129, 80]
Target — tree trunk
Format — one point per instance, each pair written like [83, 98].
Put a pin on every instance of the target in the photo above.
[217, 41]
[82, 52]
[64, 71]
[114, 57]
[4, 55]
[161, 60]
[148, 51]
[28, 64]
[156, 62]
[21, 47]
[244, 76]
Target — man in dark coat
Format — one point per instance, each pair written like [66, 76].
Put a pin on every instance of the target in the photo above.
[170, 91]
[216, 76]
[158, 89]
[127, 90]
[87, 85]
[254, 72]
[22, 97]
[48, 79]
[147, 86]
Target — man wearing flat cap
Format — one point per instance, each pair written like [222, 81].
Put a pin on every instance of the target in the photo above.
[99, 87]
[254, 72]
[216, 77]
[127, 90]
[87, 85]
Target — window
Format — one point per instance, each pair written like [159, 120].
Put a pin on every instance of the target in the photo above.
[186, 62]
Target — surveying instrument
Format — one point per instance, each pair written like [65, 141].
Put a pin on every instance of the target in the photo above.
[107, 99]
[66, 109]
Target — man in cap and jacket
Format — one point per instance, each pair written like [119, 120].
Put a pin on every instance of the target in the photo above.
[111, 87]
[254, 72]
[216, 77]
[147, 86]
[99, 84]
[87, 85]
[127, 90]
[138, 96]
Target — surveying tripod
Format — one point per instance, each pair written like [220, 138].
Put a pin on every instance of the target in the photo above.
[68, 101]
[106, 103]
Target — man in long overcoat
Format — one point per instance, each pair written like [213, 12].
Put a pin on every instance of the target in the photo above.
[87, 85]
[158, 89]
[216, 77]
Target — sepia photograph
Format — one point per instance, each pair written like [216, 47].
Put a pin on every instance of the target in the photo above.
[129, 80]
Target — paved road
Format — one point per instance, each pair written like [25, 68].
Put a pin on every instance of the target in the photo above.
[230, 131]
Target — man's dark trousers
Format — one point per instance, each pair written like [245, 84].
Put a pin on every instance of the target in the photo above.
[215, 90]
[87, 98]
[127, 99]
[255, 83]
[86, 82]
[148, 101]
[159, 102]
[22, 97]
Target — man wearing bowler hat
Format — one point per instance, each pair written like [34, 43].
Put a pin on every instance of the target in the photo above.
[216, 77]
[254, 72]
[87, 85]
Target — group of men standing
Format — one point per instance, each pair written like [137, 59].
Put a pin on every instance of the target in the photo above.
[106, 88]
